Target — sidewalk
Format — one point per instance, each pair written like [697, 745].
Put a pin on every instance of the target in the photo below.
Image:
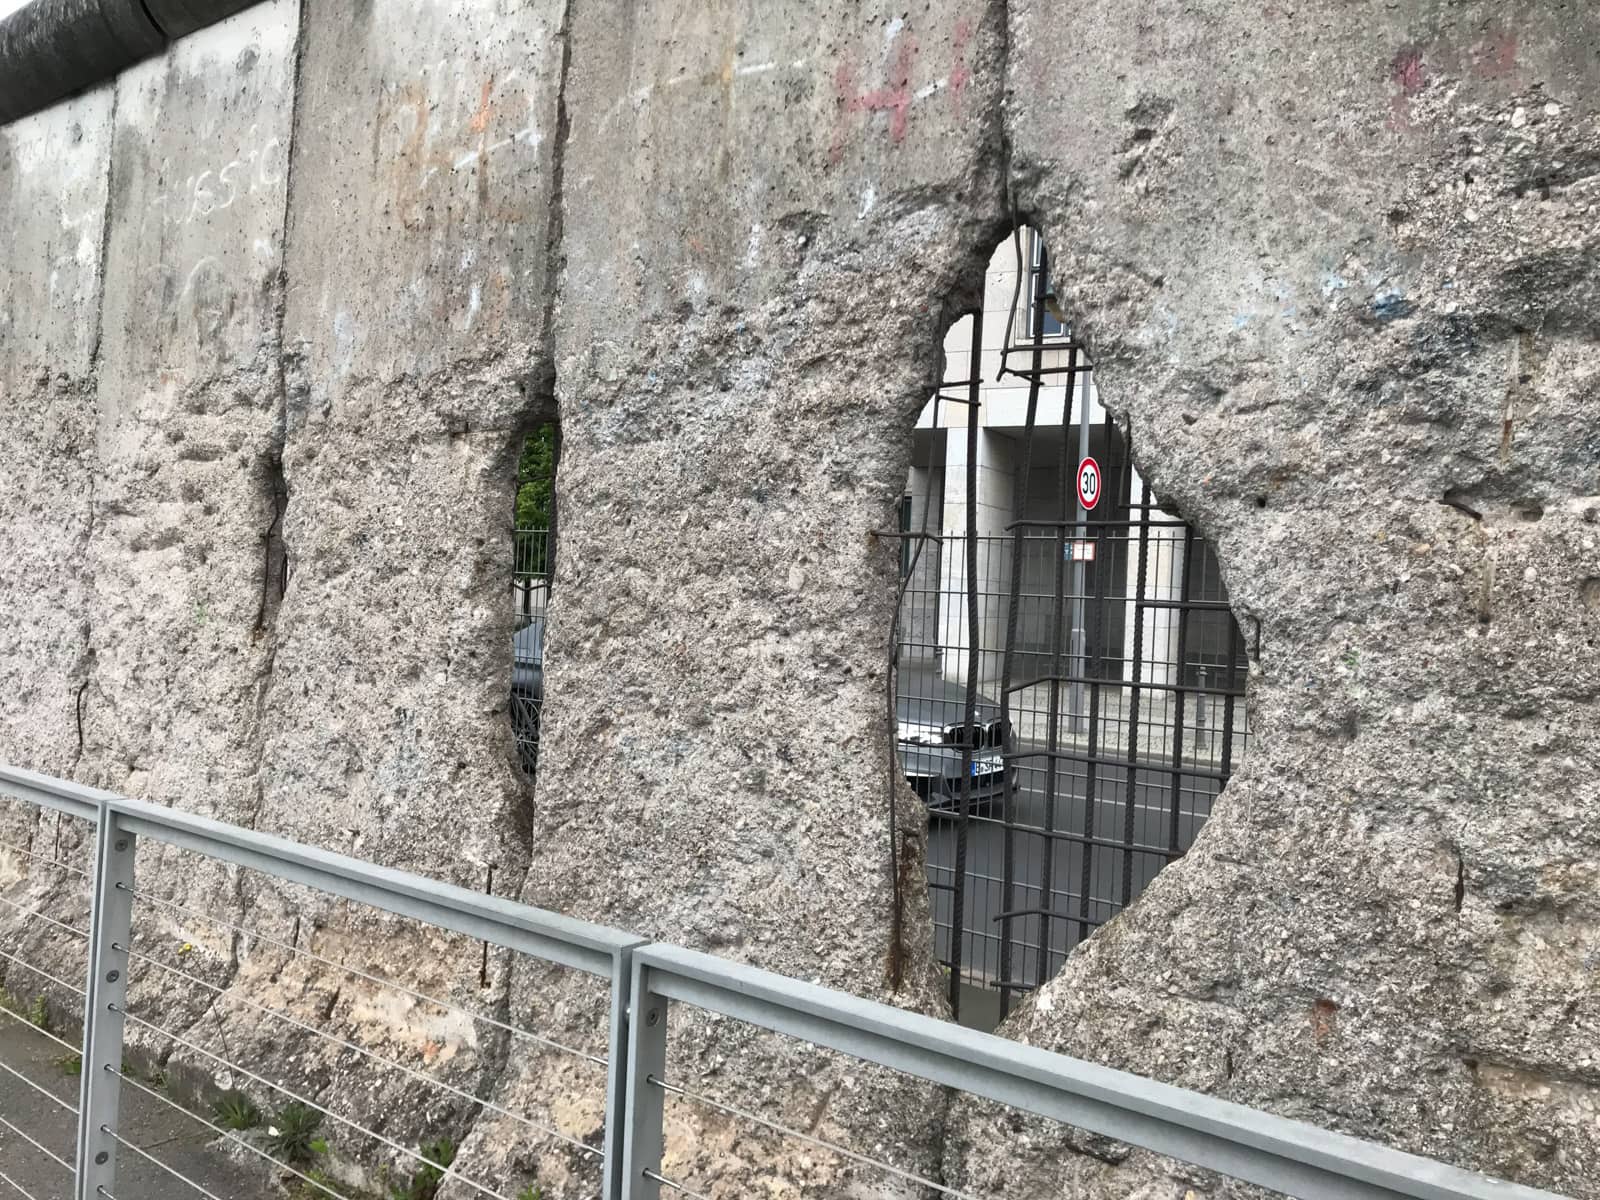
[185, 1144]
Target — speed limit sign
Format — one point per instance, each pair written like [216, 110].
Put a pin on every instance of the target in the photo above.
[1089, 483]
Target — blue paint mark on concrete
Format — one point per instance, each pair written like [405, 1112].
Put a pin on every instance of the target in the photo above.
[1391, 305]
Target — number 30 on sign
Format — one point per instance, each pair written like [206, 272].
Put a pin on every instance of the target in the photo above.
[1089, 483]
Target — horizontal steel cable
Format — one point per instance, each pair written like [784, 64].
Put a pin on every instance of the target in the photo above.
[17, 1186]
[377, 979]
[26, 965]
[449, 1172]
[681, 1189]
[40, 1088]
[45, 858]
[39, 1146]
[47, 919]
[745, 1114]
[45, 1033]
[217, 1129]
[364, 1052]
[151, 1158]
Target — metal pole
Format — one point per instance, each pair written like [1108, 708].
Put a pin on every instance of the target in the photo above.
[958, 899]
[1079, 649]
[110, 932]
[1175, 808]
[1008, 810]
[643, 1101]
[1053, 713]
[617, 1064]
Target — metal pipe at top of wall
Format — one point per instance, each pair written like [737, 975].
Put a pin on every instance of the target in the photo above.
[52, 49]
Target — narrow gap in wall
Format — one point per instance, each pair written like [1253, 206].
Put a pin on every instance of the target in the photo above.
[1069, 678]
[533, 563]
[275, 554]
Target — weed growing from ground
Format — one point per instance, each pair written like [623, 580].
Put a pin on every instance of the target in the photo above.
[292, 1135]
[237, 1111]
[424, 1185]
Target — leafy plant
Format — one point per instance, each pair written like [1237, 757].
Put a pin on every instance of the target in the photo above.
[424, 1185]
[536, 474]
[39, 1013]
[70, 1064]
[531, 1192]
[237, 1111]
[292, 1135]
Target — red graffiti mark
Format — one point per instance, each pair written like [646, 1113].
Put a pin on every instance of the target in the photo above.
[1407, 72]
[960, 75]
[896, 98]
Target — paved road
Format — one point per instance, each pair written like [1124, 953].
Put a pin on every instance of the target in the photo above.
[178, 1141]
[986, 835]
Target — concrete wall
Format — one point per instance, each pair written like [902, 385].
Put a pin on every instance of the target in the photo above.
[1336, 262]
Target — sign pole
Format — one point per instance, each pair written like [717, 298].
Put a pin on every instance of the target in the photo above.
[1086, 463]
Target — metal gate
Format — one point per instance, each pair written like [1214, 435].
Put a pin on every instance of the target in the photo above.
[1068, 686]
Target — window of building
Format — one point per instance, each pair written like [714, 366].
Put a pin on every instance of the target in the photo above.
[1034, 285]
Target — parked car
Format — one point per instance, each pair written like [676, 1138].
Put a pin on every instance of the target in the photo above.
[527, 690]
[929, 715]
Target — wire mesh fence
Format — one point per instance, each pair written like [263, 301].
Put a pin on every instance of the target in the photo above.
[530, 598]
[1096, 759]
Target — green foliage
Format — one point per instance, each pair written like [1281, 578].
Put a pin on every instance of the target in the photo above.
[424, 1185]
[531, 1192]
[237, 1111]
[536, 478]
[70, 1064]
[292, 1135]
[39, 1013]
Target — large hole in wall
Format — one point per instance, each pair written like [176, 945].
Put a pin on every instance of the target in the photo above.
[1083, 626]
[533, 564]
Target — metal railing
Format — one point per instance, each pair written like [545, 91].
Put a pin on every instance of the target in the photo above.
[646, 982]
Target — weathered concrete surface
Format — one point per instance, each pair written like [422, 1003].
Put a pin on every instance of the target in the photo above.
[53, 192]
[190, 411]
[1338, 265]
[418, 242]
[764, 211]
[53, 197]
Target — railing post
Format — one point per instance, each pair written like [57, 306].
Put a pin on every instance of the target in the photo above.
[642, 1105]
[110, 927]
[617, 1072]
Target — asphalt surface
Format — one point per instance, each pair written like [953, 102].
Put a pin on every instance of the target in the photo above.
[179, 1142]
[1112, 872]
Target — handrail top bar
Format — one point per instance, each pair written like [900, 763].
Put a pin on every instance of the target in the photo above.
[1243, 1143]
[985, 1053]
[372, 883]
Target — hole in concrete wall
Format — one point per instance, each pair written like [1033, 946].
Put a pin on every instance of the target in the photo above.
[1082, 623]
[275, 554]
[533, 563]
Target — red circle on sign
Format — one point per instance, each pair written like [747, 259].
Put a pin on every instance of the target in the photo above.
[1089, 483]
